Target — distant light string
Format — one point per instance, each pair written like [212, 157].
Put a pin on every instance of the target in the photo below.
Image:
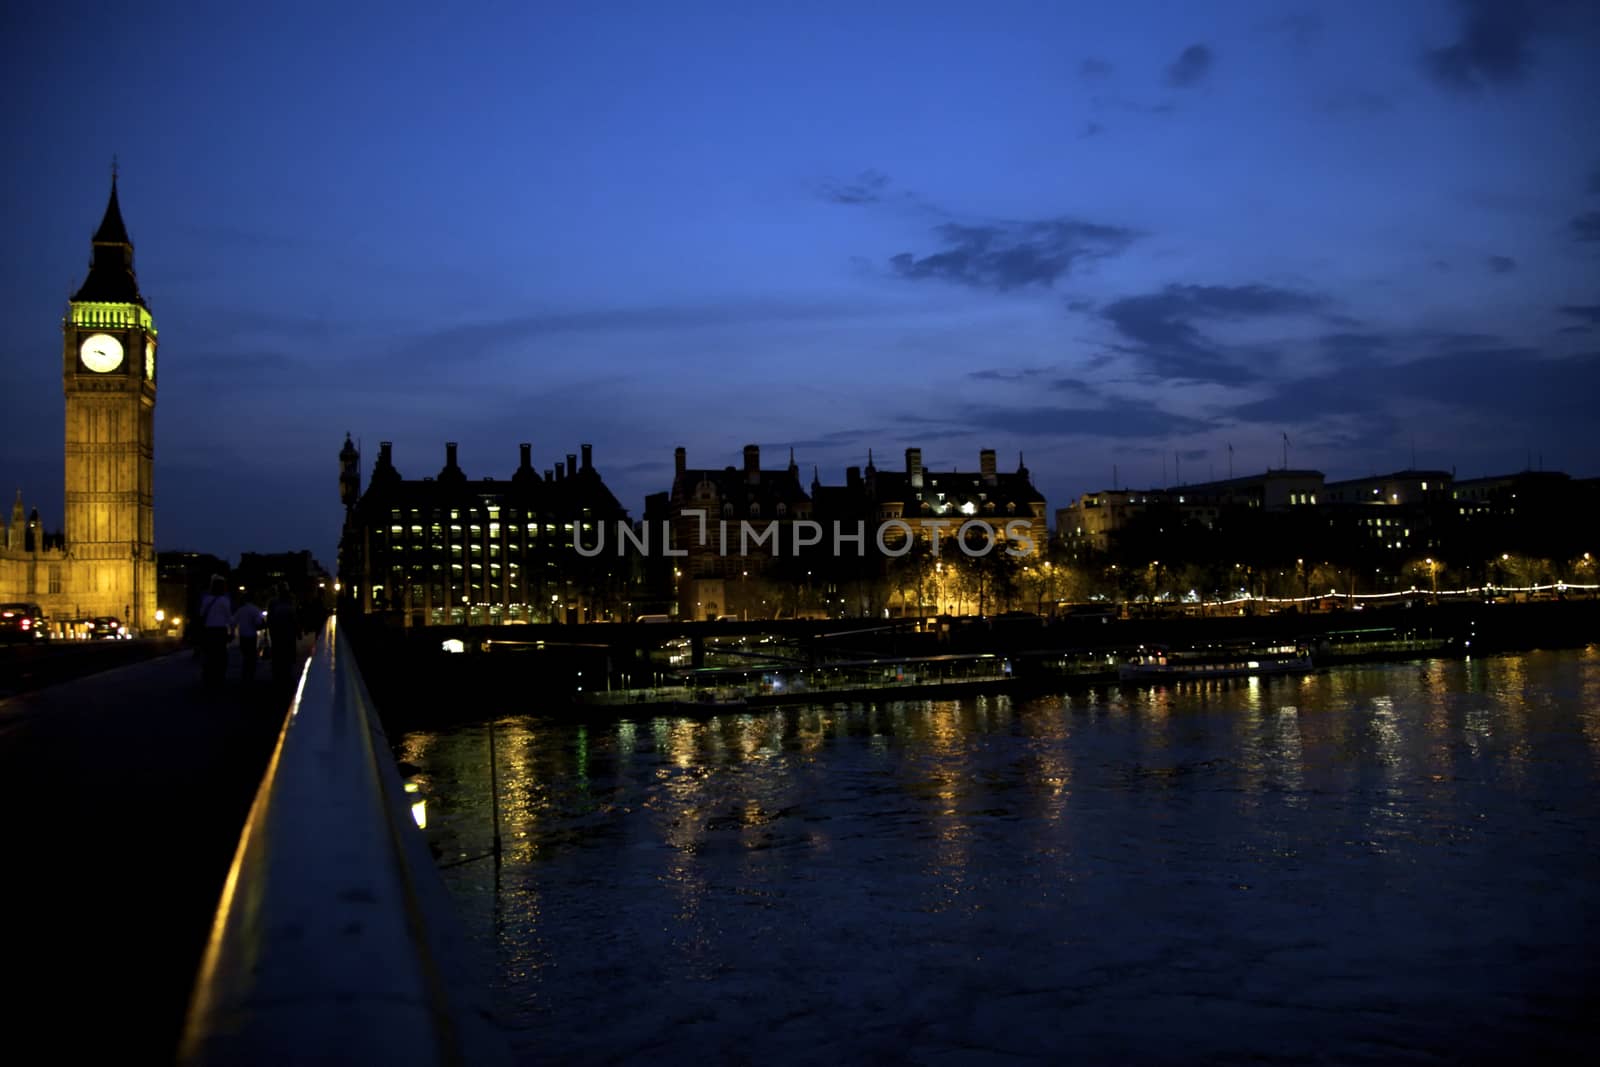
[1557, 587]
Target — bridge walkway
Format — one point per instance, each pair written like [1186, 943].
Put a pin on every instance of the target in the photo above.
[122, 795]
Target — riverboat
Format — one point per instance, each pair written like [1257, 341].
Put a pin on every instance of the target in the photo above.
[710, 700]
[1163, 665]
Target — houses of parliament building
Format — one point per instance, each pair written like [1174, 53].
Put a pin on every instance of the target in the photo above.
[102, 561]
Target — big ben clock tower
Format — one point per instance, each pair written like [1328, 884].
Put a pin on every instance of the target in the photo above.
[109, 373]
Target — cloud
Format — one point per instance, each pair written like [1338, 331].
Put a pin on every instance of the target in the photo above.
[1191, 67]
[1094, 68]
[1589, 313]
[1586, 227]
[1127, 419]
[477, 340]
[1013, 255]
[1301, 28]
[1163, 326]
[1353, 346]
[867, 188]
[1360, 102]
[935, 428]
[836, 439]
[650, 466]
[255, 368]
[1492, 45]
[1502, 264]
[1101, 103]
[997, 374]
[1506, 386]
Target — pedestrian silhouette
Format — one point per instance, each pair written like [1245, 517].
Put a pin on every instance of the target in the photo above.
[247, 621]
[283, 634]
[216, 616]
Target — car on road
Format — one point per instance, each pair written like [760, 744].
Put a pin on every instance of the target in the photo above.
[23, 622]
[107, 628]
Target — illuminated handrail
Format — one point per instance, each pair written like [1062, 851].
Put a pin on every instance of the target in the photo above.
[334, 941]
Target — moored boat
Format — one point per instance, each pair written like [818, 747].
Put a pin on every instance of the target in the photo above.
[711, 699]
[1162, 665]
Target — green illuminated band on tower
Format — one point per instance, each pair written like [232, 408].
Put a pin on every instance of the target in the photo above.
[101, 315]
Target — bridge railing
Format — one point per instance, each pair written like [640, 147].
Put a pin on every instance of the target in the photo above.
[335, 940]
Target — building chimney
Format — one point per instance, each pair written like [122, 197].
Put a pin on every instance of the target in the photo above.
[852, 477]
[986, 465]
[588, 456]
[680, 461]
[572, 465]
[914, 467]
[525, 474]
[752, 463]
[450, 454]
[549, 475]
[385, 453]
[561, 470]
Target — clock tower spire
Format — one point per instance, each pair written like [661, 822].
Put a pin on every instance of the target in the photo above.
[109, 377]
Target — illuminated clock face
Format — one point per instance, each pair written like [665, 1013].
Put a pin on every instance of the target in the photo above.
[150, 361]
[101, 352]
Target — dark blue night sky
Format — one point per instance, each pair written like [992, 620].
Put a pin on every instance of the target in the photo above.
[1102, 234]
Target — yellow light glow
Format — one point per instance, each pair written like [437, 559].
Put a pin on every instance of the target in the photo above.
[419, 814]
[299, 690]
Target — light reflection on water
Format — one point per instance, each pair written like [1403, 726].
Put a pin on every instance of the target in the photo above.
[1355, 864]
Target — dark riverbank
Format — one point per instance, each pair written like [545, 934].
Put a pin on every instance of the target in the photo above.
[415, 681]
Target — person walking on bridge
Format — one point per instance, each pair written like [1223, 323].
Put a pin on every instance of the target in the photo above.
[216, 616]
[247, 621]
[283, 631]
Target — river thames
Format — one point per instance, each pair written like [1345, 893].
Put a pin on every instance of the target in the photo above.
[1396, 863]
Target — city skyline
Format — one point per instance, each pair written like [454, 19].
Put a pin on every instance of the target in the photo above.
[1100, 243]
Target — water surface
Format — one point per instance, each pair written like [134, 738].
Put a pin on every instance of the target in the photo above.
[1382, 864]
